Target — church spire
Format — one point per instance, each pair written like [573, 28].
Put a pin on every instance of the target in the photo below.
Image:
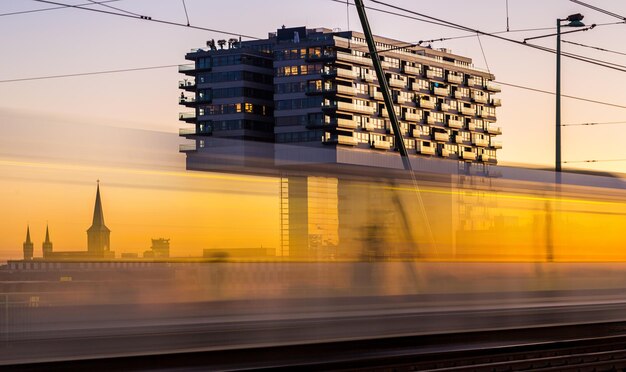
[28, 235]
[98, 235]
[46, 247]
[98, 215]
[28, 245]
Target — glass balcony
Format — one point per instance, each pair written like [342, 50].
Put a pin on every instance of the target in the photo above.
[412, 70]
[442, 137]
[493, 87]
[441, 91]
[412, 117]
[479, 98]
[186, 69]
[397, 83]
[493, 129]
[455, 123]
[496, 144]
[426, 150]
[187, 147]
[480, 142]
[459, 95]
[455, 79]
[186, 131]
[468, 110]
[432, 75]
[187, 84]
[187, 116]
[382, 145]
[468, 155]
[353, 59]
[426, 103]
[347, 140]
[346, 74]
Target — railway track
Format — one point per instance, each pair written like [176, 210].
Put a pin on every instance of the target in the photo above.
[591, 347]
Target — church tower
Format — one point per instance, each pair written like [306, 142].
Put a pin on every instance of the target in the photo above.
[98, 244]
[46, 247]
[28, 246]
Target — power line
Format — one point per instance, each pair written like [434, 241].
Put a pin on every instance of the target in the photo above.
[593, 123]
[468, 29]
[112, 7]
[54, 8]
[562, 95]
[87, 73]
[144, 18]
[604, 11]
[594, 47]
[593, 161]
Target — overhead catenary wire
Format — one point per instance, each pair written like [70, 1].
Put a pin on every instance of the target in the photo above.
[88, 73]
[594, 47]
[597, 9]
[449, 24]
[594, 123]
[150, 19]
[55, 8]
[186, 14]
[593, 161]
[114, 8]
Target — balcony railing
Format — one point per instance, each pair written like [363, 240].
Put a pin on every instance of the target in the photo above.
[412, 70]
[433, 120]
[347, 140]
[346, 123]
[455, 79]
[377, 95]
[370, 78]
[385, 113]
[412, 117]
[493, 129]
[415, 86]
[345, 106]
[186, 100]
[426, 150]
[468, 110]
[445, 107]
[432, 75]
[452, 123]
[186, 131]
[491, 86]
[459, 95]
[368, 126]
[382, 145]
[426, 103]
[479, 98]
[496, 102]
[187, 147]
[468, 155]
[486, 157]
[473, 126]
[354, 59]
[186, 84]
[480, 142]
[439, 136]
[401, 99]
[187, 116]
[186, 69]
[441, 91]
[496, 144]
[459, 139]
[397, 83]
[347, 74]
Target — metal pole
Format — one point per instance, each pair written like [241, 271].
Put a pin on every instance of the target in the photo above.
[557, 167]
[382, 81]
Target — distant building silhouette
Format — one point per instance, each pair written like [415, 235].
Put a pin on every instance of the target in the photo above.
[160, 249]
[28, 246]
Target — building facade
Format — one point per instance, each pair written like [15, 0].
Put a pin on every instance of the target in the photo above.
[317, 88]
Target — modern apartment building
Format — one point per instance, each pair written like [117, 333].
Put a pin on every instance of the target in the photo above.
[316, 88]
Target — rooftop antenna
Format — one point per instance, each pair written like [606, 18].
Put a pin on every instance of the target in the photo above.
[507, 15]
[186, 15]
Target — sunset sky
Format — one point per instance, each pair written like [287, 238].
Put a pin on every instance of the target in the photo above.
[58, 136]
